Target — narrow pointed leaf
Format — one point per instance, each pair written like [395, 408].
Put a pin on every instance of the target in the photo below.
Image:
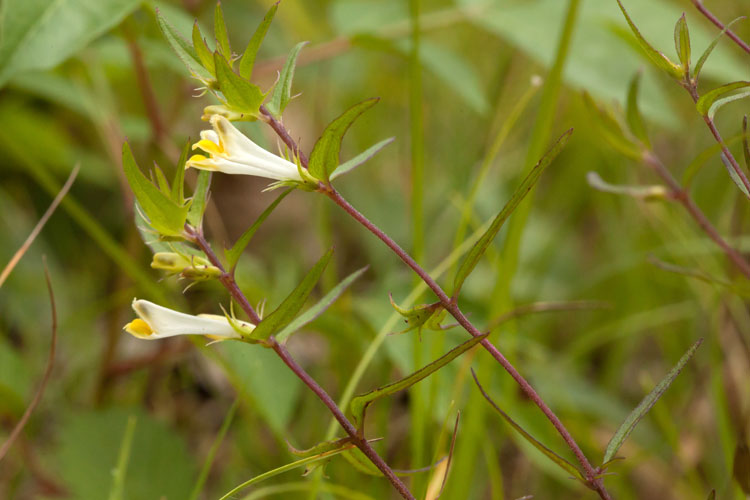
[704, 57]
[318, 309]
[233, 254]
[560, 461]
[286, 312]
[707, 100]
[248, 58]
[164, 215]
[682, 42]
[220, 32]
[658, 58]
[200, 198]
[417, 316]
[205, 56]
[359, 404]
[178, 182]
[183, 49]
[361, 158]
[726, 100]
[733, 174]
[475, 254]
[241, 95]
[633, 114]
[325, 154]
[646, 404]
[161, 181]
[282, 92]
[319, 448]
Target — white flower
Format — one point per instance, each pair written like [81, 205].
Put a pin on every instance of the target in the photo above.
[231, 152]
[157, 322]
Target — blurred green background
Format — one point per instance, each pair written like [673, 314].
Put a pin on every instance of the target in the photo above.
[78, 78]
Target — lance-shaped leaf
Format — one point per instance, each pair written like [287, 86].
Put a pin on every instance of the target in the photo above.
[205, 56]
[183, 49]
[359, 404]
[241, 96]
[233, 254]
[178, 181]
[560, 461]
[471, 260]
[200, 198]
[724, 101]
[291, 306]
[646, 404]
[682, 42]
[248, 58]
[707, 100]
[633, 114]
[704, 57]
[733, 174]
[658, 58]
[325, 154]
[282, 92]
[164, 215]
[358, 160]
[220, 32]
[318, 309]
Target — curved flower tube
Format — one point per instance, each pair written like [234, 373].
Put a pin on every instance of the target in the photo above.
[157, 322]
[232, 152]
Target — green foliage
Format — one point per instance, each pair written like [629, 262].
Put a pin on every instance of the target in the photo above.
[709, 50]
[248, 58]
[184, 50]
[199, 199]
[240, 95]
[707, 100]
[282, 92]
[324, 159]
[220, 32]
[682, 42]
[361, 158]
[633, 113]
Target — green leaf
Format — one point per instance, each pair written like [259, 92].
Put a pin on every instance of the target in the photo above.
[220, 32]
[183, 49]
[361, 158]
[658, 58]
[120, 471]
[704, 57]
[282, 93]
[285, 313]
[233, 254]
[318, 309]
[205, 56]
[633, 114]
[646, 404]
[325, 154]
[707, 100]
[733, 174]
[359, 404]
[726, 100]
[178, 182]
[682, 42]
[248, 58]
[164, 215]
[241, 95]
[560, 461]
[200, 198]
[319, 448]
[417, 316]
[40, 34]
[609, 128]
[475, 254]
[161, 181]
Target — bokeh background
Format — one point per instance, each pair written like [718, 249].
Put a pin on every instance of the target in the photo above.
[79, 78]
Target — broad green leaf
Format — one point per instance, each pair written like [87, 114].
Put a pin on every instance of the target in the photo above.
[248, 58]
[564, 464]
[183, 49]
[359, 404]
[199, 199]
[318, 309]
[361, 158]
[633, 114]
[475, 254]
[241, 95]
[282, 92]
[682, 42]
[724, 101]
[325, 154]
[233, 254]
[164, 215]
[290, 307]
[205, 56]
[707, 100]
[646, 404]
[658, 58]
[704, 57]
[284, 468]
[220, 32]
[39, 34]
